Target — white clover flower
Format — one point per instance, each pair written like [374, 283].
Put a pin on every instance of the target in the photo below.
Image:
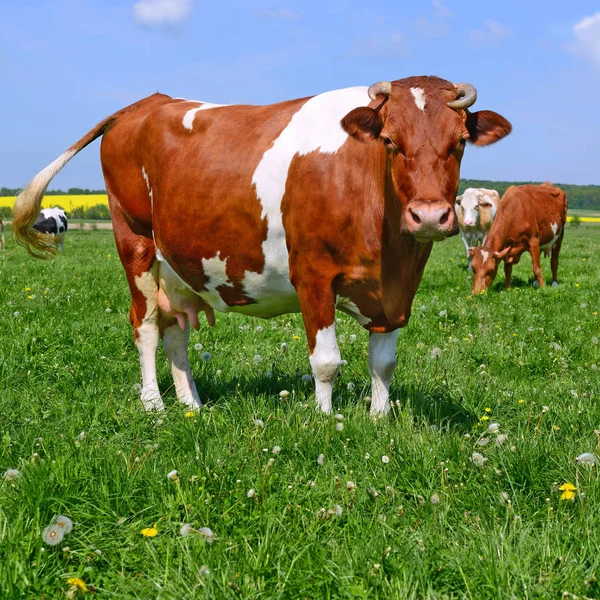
[436, 352]
[186, 529]
[478, 459]
[251, 493]
[172, 475]
[259, 423]
[352, 338]
[11, 475]
[206, 356]
[207, 534]
[284, 394]
[64, 523]
[307, 378]
[350, 386]
[321, 459]
[198, 346]
[435, 499]
[350, 485]
[276, 450]
[257, 358]
[493, 427]
[339, 426]
[53, 535]
[385, 459]
[587, 458]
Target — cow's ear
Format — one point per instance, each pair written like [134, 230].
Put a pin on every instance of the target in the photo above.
[502, 253]
[458, 200]
[471, 252]
[486, 127]
[363, 123]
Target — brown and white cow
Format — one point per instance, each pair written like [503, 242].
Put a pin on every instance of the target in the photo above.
[475, 210]
[309, 205]
[530, 218]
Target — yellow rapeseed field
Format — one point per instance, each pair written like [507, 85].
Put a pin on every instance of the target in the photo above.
[68, 202]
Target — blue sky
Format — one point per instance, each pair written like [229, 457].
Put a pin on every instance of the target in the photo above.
[67, 64]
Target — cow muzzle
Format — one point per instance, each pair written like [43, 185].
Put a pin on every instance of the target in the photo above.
[428, 221]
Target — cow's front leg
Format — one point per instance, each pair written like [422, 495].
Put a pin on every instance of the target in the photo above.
[382, 362]
[507, 273]
[318, 312]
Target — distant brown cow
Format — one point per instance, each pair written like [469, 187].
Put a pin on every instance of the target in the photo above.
[530, 218]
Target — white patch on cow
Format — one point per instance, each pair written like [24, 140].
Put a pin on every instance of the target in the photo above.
[175, 343]
[325, 362]
[215, 270]
[188, 118]
[550, 245]
[554, 228]
[382, 362]
[419, 96]
[346, 305]
[485, 255]
[150, 194]
[147, 342]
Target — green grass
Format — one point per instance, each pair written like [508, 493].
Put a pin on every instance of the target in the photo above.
[67, 366]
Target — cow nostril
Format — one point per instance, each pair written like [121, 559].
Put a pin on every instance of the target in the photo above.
[414, 216]
[445, 217]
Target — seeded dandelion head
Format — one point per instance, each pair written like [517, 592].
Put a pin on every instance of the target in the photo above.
[53, 535]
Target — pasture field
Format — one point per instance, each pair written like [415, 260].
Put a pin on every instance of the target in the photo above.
[399, 508]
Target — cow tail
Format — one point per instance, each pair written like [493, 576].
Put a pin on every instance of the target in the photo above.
[28, 203]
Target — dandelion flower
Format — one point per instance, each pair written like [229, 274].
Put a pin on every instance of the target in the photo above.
[172, 475]
[203, 571]
[64, 523]
[206, 356]
[367, 456]
[150, 531]
[53, 535]
[284, 394]
[198, 347]
[276, 450]
[493, 427]
[306, 378]
[189, 414]
[352, 338]
[339, 426]
[207, 534]
[443, 313]
[568, 491]
[350, 485]
[321, 513]
[595, 340]
[321, 459]
[501, 439]
[78, 583]
[256, 359]
[385, 459]
[11, 475]
[350, 386]
[587, 458]
[295, 337]
[484, 418]
[545, 409]
[478, 459]
[436, 352]
[259, 423]
[259, 329]
[251, 493]
[186, 529]
[283, 345]
[435, 499]
[339, 417]
[504, 498]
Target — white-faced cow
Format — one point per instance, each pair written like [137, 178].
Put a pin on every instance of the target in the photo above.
[52, 221]
[309, 205]
[475, 209]
[530, 218]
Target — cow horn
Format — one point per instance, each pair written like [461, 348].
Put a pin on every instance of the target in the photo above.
[383, 88]
[466, 94]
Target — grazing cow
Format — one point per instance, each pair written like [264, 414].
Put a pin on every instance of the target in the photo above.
[52, 221]
[475, 209]
[2, 242]
[332, 201]
[530, 218]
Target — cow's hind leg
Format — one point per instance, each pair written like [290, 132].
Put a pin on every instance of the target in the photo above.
[554, 258]
[535, 251]
[137, 254]
[382, 362]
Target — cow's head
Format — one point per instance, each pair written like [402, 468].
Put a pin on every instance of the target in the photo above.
[424, 124]
[485, 266]
[468, 206]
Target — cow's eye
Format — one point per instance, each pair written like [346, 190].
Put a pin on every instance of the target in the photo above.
[388, 142]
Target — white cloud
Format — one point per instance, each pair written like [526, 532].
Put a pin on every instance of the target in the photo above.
[439, 10]
[161, 13]
[493, 31]
[280, 13]
[587, 39]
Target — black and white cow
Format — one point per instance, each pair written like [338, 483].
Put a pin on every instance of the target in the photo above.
[52, 220]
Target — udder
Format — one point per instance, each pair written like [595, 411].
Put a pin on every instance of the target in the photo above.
[177, 300]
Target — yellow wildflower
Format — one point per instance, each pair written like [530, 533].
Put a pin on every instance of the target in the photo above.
[295, 337]
[576, 285]
[556, 427]
[150, 531]
[568, 491]
[521, 401]
[27, 289]
[77, 583]
[189, 414]
[488, 410]
[484, 418]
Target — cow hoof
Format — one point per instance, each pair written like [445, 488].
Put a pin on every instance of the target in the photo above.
[536, 284]
[555, 284]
